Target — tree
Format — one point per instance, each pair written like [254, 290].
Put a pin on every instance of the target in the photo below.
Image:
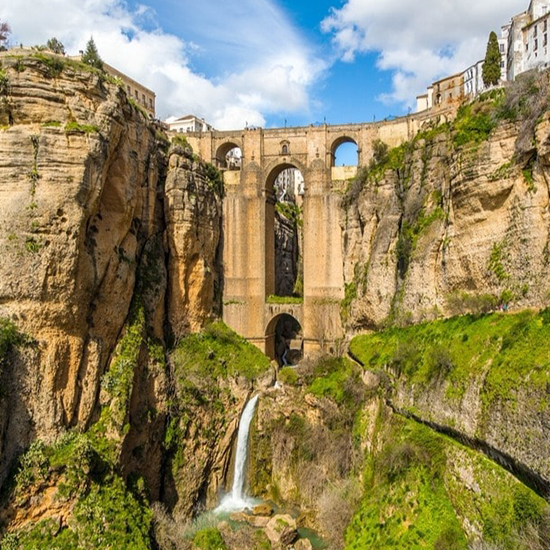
[5, 32]
[91, 55]
[54, 45]
[491, 66]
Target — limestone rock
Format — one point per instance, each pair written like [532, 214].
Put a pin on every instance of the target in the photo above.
[263, 510]
[281, 528]
[303, 544]
[79, 177]
[471, 207]
[239, 517]
[193, 227]
[257, 521]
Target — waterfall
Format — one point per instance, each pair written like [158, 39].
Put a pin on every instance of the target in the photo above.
[236, 499]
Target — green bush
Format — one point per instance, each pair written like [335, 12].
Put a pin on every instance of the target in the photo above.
[209, 539]
[288, 375]
[10, 337]
[217, 351]
[474, 123]
[75, 127]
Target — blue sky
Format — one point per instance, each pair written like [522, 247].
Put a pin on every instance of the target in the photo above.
[264, 62]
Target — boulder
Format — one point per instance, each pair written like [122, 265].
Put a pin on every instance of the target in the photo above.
[263, 510]
[281, 529]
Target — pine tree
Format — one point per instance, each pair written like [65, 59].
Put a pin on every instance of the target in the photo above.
[491, 66]
[91, 55]
[54, 45]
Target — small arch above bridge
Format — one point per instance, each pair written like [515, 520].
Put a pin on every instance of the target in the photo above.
[341, 143]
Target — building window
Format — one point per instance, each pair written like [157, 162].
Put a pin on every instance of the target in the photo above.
[545, 40]
[285, 150]
[136, 94]
[129, 89]
[501, 48]
[535, 30]
[536, 47]
[502, 64]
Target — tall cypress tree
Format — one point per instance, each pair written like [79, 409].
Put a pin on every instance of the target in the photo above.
[91, 55]
[491, 66]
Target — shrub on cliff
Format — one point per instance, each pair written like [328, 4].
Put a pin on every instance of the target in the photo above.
[216, 352]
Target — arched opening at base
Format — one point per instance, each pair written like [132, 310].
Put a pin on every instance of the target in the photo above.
[284, 340]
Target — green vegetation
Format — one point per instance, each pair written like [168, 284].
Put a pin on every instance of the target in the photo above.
[77, 128]
[10, 338]
[107, 513]
[4, 83]
[117, 381]
[503, 171]
[405, 503]
[409, 234]
[91, 56]
[288, 375]
[460, 303]
[350, 293]
[56, 46]
[414, 496]
[291, 211]
[32, 245]
[214, 178]
[336, 378]
[217, 352]
[491, 66]
[474, 122]
[497, 260]
[274, 299]
[511, 349]
[181, 140]
[52, 124]
[209, 539]
[54, 65]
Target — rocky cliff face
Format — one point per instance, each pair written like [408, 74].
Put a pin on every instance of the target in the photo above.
[80, 174]
[449, 220]
[84, 232]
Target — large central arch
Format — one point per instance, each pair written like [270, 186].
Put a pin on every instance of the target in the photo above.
[283, 248]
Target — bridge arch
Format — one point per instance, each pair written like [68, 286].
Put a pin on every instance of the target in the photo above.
[337, 143]
[276, 167]
[223, 151]
[283, 237]
[284, 339]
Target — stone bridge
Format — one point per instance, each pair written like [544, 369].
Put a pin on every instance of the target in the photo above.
[248, 227]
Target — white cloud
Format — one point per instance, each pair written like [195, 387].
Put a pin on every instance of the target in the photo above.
[267, 75]
[418, 41]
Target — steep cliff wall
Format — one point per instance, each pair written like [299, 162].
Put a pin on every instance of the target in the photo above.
[454, 220]
[86, 230]
[79, 168]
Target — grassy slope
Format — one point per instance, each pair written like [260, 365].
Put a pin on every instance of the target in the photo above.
[420, 487]
[513, 348]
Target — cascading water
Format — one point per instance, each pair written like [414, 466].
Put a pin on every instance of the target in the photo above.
[236, 499]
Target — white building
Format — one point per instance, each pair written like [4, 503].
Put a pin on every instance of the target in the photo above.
[526, 40]
[473, 80]
[289, 185]
[188, 123]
